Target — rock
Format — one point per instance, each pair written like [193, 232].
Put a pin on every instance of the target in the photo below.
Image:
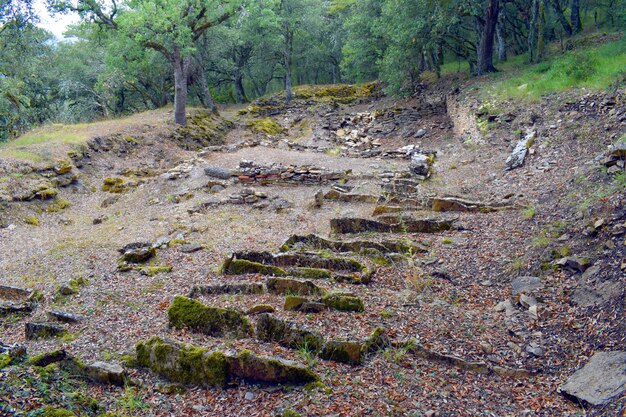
[212, 321]
[342, 302]
[420, 165]
[319, 199]
[343, 351]
[293, 303]
[518, 156]
[242, 266]
[135, 253]
[525, 285]
[292, 286]
[192, 365]
[234, 288]
[271, 329]
[191, 247]
[68, 289]
[217, 172]
[527, 301]
[46, 358]
[311, 307]
[34, 331]
[600, 380]
[401, 225]
[260, 309]
[65, 317]
[252, 368]
[441, 204]
[534, 349]
[420, 133]
[217, 188]
[9, 353]
[574, 263]
[377, 341]
[106, 373]
[505, 306]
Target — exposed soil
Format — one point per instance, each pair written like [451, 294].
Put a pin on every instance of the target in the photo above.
[443, 298]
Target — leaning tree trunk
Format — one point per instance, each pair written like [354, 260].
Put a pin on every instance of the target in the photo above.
[561, 17]
[181, 72]
[239, 90]
[577, 25]
[204, 93]
[485, 48]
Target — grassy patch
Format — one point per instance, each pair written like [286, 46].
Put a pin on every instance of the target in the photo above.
[595, 68]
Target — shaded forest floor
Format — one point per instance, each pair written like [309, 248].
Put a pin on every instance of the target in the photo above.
[139, 181]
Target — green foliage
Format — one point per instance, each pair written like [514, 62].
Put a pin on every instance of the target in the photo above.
[529, 212]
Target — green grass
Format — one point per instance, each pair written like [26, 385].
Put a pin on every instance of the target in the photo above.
[594, 68]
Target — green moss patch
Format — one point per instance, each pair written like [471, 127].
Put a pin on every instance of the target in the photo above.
[266, 125]
[213, 321]
[343, 302]
[241, 266]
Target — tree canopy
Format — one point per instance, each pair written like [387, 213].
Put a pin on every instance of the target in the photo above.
[131, 55]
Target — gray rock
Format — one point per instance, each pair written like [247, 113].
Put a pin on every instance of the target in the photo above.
[134, 253]
[217, 172]
[525, 285]
[419, 165]
[271, 329]
[600, 380]
[67, 289]
[574, 263]
[518, 156]
[420, 133]
[34, 331]
[106, 373]
[191, 247]
[217, 188]
[65, 317]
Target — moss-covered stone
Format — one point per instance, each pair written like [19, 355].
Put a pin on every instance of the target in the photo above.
[46, 358]
[254, 368]
[342, 351]
[271, 329]
[377, 341]
[114, 185]
[203, 129]
[151, 270]
[242, 266]
[288, 286]
[342, 302]
[267, 125]
[290, 413]
[293, 303]
[260, 309]
[311, 273]
[213, 321]
[185, 364]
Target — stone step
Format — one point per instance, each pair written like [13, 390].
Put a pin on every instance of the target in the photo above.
[312, 241]
[390, 225]
[194, 365]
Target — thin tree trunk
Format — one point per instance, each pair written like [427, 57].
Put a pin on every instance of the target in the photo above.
[485, 47]
[577, 25]
[533, 33]
[561, 17]
[239, 91]
[287, 64]
[204, 93]
[500, 39]
[181, 69]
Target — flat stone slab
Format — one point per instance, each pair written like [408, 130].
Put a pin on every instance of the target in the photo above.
[600, 380]
[525, 285]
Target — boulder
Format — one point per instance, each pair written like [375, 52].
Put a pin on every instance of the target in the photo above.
[343, 351]
[525, 285]
[396, 225]
[260, 309]
[34, 331]
[343, 302]
[292, 286]
[212, 321]
[65, 317]
[420, 165]
[293, 303]
[600, 380]
[217, 172]
[191, 247]
[574, 263]
[242, 266]
[518, 156]
[135, 253]
[106, 373]
[46, 358]
[235, 288]
[271, 329]
[192, 365]
[312, 307]
[253, 368]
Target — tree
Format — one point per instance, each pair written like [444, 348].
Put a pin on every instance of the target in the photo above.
[170, 27]
[485, 46]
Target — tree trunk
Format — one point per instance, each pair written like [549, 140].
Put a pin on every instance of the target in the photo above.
[204, 93]
[485, 47]
[533, 33]
[500, 38]
[181, 70]
[577, 25]
[239, 91]
[287, 64]
[556, 5]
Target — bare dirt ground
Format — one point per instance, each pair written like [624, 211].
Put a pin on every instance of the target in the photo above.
[443, 298]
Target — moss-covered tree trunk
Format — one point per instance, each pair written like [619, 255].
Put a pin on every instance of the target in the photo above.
[181, 72]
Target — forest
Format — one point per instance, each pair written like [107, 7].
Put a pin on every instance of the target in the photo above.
[129, 56]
